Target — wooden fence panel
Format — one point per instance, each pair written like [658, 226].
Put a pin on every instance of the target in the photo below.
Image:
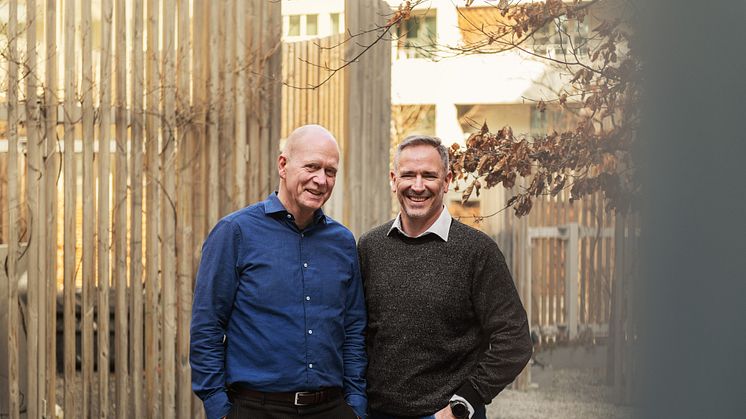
[146, 116]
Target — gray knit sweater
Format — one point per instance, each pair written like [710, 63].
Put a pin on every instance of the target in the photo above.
[444, 318]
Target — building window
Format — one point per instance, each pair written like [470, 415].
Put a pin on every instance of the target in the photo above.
[334, 18]
[312, 25]
[417, 36]
[293, 25]
[560, 38]
[553, 118]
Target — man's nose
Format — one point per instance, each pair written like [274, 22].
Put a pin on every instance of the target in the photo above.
[319, 177]
[419, 184]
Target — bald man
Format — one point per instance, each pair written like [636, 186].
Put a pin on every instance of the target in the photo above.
[278, 314]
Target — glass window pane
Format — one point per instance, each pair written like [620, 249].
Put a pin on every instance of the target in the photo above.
[335, 22]
[312, 24]
[294, 25]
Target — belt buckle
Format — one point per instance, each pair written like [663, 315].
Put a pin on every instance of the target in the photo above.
[301, 393]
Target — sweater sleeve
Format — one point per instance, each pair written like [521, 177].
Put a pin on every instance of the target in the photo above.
[502, 317]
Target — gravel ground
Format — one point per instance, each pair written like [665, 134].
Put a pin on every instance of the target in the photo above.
[557, 393]
[560, 394]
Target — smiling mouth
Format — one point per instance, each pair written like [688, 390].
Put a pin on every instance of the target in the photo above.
[315, 193]
[418, 198]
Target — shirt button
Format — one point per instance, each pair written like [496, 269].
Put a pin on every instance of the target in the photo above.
[310, 365]
[308, 298]
[302, 235]
[290, 216]
[305, 265]
[310, 332]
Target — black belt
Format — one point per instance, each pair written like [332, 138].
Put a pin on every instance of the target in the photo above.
[297, 398]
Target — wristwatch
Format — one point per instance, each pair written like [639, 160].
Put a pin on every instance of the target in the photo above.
[459, 409]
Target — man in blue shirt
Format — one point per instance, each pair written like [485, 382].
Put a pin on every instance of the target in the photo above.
[279, 313]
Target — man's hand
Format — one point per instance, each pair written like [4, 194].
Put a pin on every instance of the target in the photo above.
[445, 413]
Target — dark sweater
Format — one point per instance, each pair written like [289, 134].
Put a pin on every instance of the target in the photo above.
[444, 318]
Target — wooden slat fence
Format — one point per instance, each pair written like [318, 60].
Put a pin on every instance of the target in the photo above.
[110, 123]
[127, 128]
[541, 253]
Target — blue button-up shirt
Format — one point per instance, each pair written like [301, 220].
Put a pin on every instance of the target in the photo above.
[277, 309]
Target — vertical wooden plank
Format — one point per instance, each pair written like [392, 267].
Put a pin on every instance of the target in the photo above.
[322, 60]
[353, 112]
[120, 210]
[598, 256]
[225, 106]
[36, 360]
[88, 257]
[152, 178]
[297, 82]
[241, 146]
[339, 104]
[184, 226]
[168, 217]
[136, 205]
[601, 290]
[571, 281]
[70, 180]
[213, 166]
[104, 215]
[254, 174]
[616, 322]
[50, 197]
[200, 106]
[384, 124]
[197, 148]
[608, 258]
[552, 263]
[584, 245]
[286, 96]
[546, 249]
[272, 100]
[12, 203]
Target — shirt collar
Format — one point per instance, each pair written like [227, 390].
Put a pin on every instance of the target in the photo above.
[273, 205]
[440, 227]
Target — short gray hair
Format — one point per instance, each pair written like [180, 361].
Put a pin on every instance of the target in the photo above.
[418, 139]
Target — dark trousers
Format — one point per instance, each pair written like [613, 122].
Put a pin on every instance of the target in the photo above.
[480, 412]
[244, 408]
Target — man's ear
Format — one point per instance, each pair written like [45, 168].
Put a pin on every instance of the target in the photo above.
[449, 178]
[282, 162]
[392, 181]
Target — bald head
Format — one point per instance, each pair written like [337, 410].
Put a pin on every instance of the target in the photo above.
[308, 133]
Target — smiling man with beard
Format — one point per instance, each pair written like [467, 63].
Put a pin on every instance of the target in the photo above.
[446, 328]
[278, 314]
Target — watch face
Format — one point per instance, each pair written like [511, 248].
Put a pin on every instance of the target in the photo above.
[459, 410]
